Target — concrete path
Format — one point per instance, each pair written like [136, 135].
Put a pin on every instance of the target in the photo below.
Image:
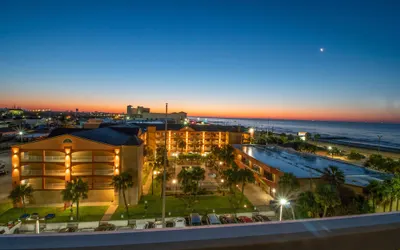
[147, 185]
[110, 211]
[81, 204]
[256, 195]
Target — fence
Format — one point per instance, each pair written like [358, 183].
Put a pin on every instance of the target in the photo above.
[249, 211]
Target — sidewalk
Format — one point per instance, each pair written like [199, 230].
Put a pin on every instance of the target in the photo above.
[256, 195]
[147, 185]
[81, 204]
[110, 211]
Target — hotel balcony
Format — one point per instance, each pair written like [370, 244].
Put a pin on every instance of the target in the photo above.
[81, 159]
[104, 172]
[54, 158]
[31, 172]
[103, 158]
[31, 158]
[51, 172]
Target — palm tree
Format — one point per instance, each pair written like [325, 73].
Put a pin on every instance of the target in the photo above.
[287, 184]
[245, 176]
[121, 183]
[373, 191]
[333, 175]
[75, 191]
[396, 188]
[180, 143]
[20, 193]
[327, 196]
[307, 206]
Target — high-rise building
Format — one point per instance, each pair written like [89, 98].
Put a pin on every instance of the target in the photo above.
[129, 110]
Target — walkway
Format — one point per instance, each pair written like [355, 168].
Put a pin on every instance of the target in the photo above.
[256, 195]
[147, 185]
[110, 211]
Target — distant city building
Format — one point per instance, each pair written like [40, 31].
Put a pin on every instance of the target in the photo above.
[142, 113]
[129, 110]
[92, 123]
[303, 135]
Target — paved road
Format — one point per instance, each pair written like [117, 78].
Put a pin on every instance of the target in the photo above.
[256, 195]
[5, 180]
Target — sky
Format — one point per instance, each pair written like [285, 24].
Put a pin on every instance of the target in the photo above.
[248, 59]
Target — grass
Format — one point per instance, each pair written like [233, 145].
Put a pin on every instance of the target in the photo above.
[177, 207]
[5, 206]
[86, 213]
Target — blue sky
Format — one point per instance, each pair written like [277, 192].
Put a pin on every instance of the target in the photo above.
[219, 58]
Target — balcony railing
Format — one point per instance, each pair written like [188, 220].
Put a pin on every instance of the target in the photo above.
[54, 158]
[103, 172]
[54, 185]
[104, 158]
[102, 185]
[81, 172]
[54, 172]
[82, 159]
[32, 158]
[31, 172]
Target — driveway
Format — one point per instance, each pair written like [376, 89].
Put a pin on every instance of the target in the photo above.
[256, 195]
[5, 180]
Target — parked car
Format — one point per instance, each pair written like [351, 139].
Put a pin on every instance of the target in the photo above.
[150, 224]
[213, 219]
[68, 230]
[158, 224]
[180, 222]
[260, 218]
[50, 216]
[105, 227]
[244, 219]
[227, 219]
[194, 219]
[204, 220]
[3, 171]
[25, 216]
[169, 223]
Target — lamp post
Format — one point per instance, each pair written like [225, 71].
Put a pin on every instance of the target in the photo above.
[174, 183]
[379, 143]
[282, 202]
[330, 151]
[152, 181]
[20, 134]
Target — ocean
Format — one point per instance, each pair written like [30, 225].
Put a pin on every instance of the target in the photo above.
[352, 132]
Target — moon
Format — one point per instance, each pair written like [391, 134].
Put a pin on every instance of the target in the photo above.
[321, 49]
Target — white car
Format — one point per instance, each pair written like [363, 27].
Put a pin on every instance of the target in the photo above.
[179, 222]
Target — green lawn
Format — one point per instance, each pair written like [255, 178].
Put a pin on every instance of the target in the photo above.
[177, 207]
[86, 213]
[5, 206]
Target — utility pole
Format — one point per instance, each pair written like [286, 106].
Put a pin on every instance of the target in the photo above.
[165, 166]
[379, 143]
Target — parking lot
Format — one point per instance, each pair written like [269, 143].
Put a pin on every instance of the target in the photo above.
[5, 180]
[29, 225]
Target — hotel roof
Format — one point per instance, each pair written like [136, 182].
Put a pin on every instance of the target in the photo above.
[307, 165]
[117, 135]
[209, 128]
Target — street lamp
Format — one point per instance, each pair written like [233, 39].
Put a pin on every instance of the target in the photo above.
[152, 181]
[273, 191]
[20, 134]
[174, 183]
[222, 180]
[282, 202]
[330, 151]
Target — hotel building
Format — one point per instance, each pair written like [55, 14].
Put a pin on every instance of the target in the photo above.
[196, 138]
[95, 155]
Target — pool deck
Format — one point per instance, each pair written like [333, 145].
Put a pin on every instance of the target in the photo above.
[304, 165]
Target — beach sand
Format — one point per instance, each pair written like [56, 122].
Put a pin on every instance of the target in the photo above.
[348, 149]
